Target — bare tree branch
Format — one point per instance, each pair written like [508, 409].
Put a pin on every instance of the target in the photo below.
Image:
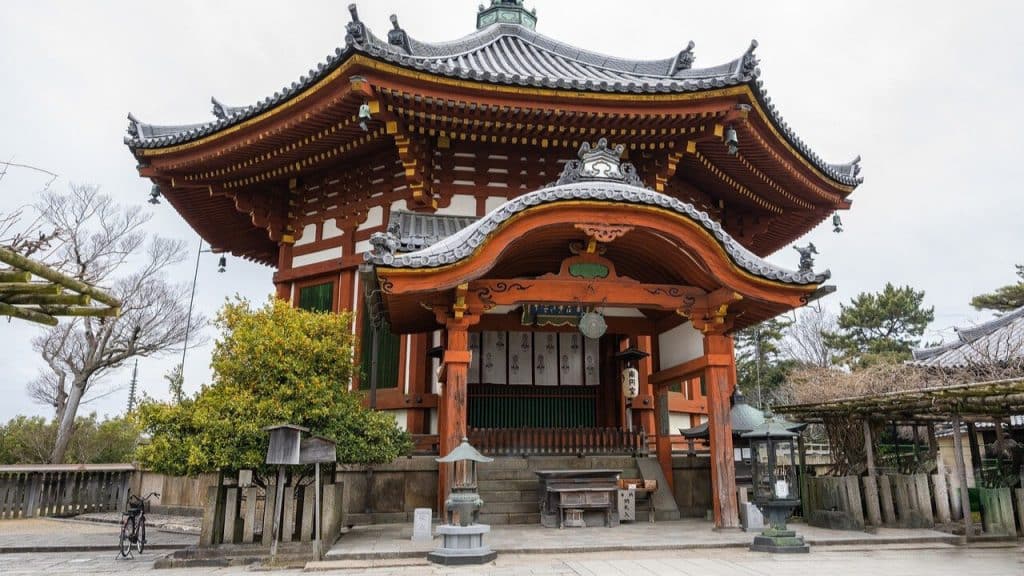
[101, 242]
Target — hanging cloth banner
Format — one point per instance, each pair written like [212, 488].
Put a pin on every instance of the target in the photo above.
[551, 314]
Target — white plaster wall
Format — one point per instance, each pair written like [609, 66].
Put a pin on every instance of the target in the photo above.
[493, 202]
[680, 344]
[363, 246]
[331, 229]
[401, 418]
[461, 205]
[433, 421]
[315, 257]
[677, 422]
[308, 235]
[374, 217]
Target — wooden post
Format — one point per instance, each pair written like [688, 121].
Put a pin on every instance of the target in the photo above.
[961, 472]
[317, 515]
[972, 441]
[451, 425]
[933, 449]
[802, 447]
[278, 501]
[869, 449]
[719, 379]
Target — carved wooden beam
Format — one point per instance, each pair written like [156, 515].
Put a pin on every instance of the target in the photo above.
[486, 294]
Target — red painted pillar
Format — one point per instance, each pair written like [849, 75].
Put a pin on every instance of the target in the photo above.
[451, 421]
[720, 379]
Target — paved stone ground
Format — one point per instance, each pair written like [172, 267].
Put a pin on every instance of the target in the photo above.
[394, 540]
[53, 534]
[934, 560]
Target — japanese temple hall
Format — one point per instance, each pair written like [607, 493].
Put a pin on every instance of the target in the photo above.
[515, 223]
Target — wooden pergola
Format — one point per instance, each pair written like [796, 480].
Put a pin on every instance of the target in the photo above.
[56, 294]
[957, 404]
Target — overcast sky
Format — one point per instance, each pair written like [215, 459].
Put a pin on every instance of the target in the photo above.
[925, 92]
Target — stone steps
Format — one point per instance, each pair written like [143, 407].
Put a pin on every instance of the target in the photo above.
[511, 496]
[510, 518]
[508, 486]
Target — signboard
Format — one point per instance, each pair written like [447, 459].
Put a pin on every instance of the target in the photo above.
[317, 450]
[551, 314]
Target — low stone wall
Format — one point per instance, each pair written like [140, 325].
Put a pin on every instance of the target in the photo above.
[389, 492]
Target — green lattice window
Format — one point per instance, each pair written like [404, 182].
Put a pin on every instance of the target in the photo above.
[317, 298]
[387, 356]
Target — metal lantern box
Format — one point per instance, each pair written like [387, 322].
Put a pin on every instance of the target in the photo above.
[285, 444]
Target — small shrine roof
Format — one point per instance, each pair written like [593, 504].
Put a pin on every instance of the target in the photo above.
[996, 341]
[598, 175]
[416, 230]
[516, 55]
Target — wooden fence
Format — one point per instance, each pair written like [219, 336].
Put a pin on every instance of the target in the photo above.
[905, 501]
[234, 515]
[63, 490]
[545, 441]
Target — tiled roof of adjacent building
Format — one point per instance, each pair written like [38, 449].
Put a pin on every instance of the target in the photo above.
[996, 341]
[511, 54]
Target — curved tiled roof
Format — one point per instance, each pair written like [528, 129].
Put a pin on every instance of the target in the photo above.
[514, 55]
[996, 341]
[462, 244]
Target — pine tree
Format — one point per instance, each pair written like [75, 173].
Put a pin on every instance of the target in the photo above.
[1004, 299]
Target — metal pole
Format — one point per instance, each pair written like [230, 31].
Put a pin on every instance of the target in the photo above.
[191, 300]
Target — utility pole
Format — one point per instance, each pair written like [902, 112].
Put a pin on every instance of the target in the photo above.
[133, 386]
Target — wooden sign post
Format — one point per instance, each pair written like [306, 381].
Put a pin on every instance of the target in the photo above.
[284, 448]
[316, 450]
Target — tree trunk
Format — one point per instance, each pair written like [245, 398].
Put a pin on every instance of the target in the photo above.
[67, 423]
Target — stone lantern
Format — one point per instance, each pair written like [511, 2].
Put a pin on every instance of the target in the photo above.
[776, 490]
[463, 538]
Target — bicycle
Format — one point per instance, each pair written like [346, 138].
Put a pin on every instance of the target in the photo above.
[133, 528]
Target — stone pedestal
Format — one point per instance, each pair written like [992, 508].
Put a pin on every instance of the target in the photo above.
[462, 545]
[777, 538]
[779, 541]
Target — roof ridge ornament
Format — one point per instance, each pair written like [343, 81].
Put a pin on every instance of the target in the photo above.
[600, 162]
[806, 260]
[355, 30]
[397, 36]
[684, 60]
[506, 12]
[749, 61]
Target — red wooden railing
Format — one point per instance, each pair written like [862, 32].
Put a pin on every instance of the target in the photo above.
[557, 441]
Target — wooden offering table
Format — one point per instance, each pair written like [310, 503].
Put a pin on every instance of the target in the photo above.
[566, 495]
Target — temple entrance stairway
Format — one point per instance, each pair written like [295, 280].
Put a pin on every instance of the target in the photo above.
[509, 485]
